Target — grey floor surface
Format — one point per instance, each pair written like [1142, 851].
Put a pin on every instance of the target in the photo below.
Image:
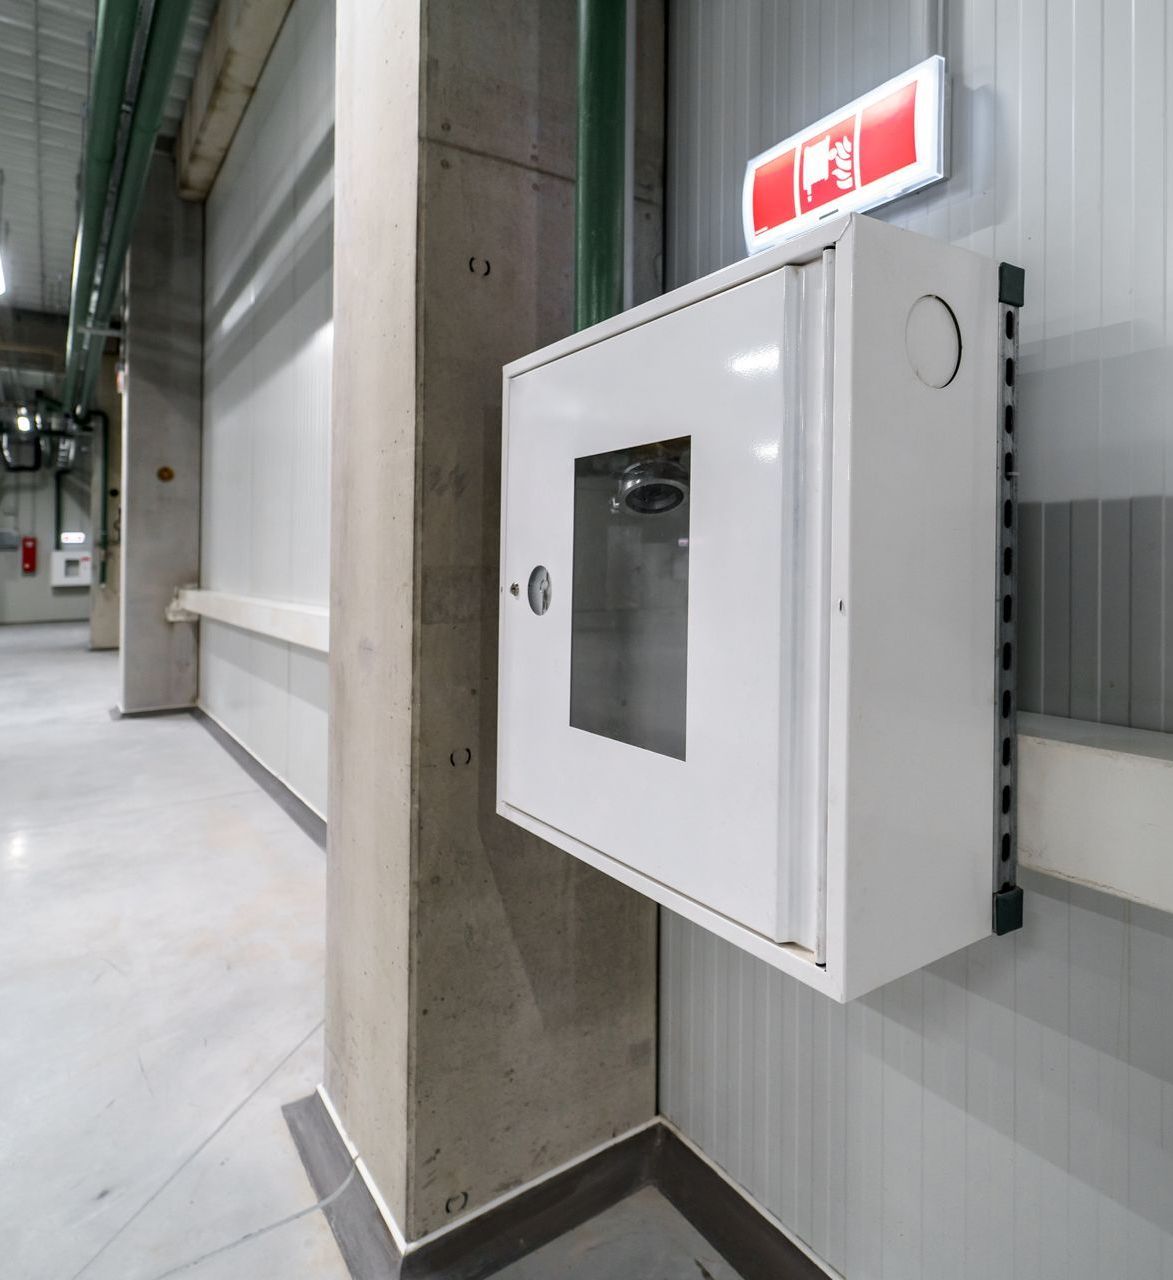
[161, 979]
[640, 1238]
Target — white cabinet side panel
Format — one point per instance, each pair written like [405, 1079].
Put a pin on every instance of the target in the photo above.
[914, 580]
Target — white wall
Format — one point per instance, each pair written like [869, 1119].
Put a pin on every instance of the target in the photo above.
[268, 341]
[1062, 158]
[1009, 1111]
[26, 508]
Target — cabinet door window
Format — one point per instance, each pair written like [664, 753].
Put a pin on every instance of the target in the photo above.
[629, 643]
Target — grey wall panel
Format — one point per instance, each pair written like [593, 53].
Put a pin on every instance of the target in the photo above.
[1094, 585]
[1085, 619]
[1029, 604]
[1146, 614]
[1003, 1112]
[268, 315]
[1167, 631]
[1008, 1111]
[1115, 609]
[1056, 601]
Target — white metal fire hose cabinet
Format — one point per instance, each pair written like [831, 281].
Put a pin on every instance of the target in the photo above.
[756, 601]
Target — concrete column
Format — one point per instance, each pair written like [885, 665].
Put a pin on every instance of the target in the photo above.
[161, 445]
[490, 1000]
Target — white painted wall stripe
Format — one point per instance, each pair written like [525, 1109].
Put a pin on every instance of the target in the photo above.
[307, 625]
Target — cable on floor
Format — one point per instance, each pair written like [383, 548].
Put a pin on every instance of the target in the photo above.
[192, 1155]
[324, 1203]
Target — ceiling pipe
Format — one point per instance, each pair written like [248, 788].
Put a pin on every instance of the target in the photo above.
[112, 45]
[600, 189]
[163, 44]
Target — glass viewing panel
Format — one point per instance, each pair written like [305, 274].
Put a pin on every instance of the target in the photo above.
[629, 636]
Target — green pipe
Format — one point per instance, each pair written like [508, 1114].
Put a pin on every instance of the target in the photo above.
[56, 510]
[112, 46]
[163, 45]
[102, 541]
[599, 191]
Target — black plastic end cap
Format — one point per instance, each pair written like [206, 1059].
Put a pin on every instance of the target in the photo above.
[1011, 285]
[1007, 910]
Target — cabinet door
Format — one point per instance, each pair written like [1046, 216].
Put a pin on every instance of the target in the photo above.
[663, 603]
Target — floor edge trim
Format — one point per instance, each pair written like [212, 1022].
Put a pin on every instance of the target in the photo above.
[507, 1230]
[310, 822]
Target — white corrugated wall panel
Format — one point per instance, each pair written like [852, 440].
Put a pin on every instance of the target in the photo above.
[1062, 159]
[1004, 1112]
[268, 344]
[1008, 1111]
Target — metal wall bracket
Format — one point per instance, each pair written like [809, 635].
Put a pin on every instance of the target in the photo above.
[1007, 904]
[175, 612]
[1011, 285]
[1007, 910]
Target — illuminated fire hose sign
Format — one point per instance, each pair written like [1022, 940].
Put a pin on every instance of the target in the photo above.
[882, 146]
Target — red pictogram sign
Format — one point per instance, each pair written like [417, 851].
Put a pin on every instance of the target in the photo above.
[885, 144]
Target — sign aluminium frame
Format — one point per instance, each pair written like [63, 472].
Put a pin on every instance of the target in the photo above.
[930, 166]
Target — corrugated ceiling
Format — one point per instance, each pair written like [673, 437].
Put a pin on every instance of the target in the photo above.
[45, 50]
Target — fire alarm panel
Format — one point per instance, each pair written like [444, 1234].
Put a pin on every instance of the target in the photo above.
[70, 569]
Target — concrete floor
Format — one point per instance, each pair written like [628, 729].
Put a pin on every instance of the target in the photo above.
[640, 1238]
[161, 978]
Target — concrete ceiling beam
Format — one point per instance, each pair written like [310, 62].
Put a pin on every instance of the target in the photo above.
[234, 55]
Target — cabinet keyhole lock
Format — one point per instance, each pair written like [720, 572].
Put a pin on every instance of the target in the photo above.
[515, 588]
[539, 589]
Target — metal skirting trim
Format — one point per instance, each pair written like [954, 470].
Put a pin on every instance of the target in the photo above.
[116, 713]
[541, 1212]
[363, 1239]
[725, 1215]
[311, 823]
